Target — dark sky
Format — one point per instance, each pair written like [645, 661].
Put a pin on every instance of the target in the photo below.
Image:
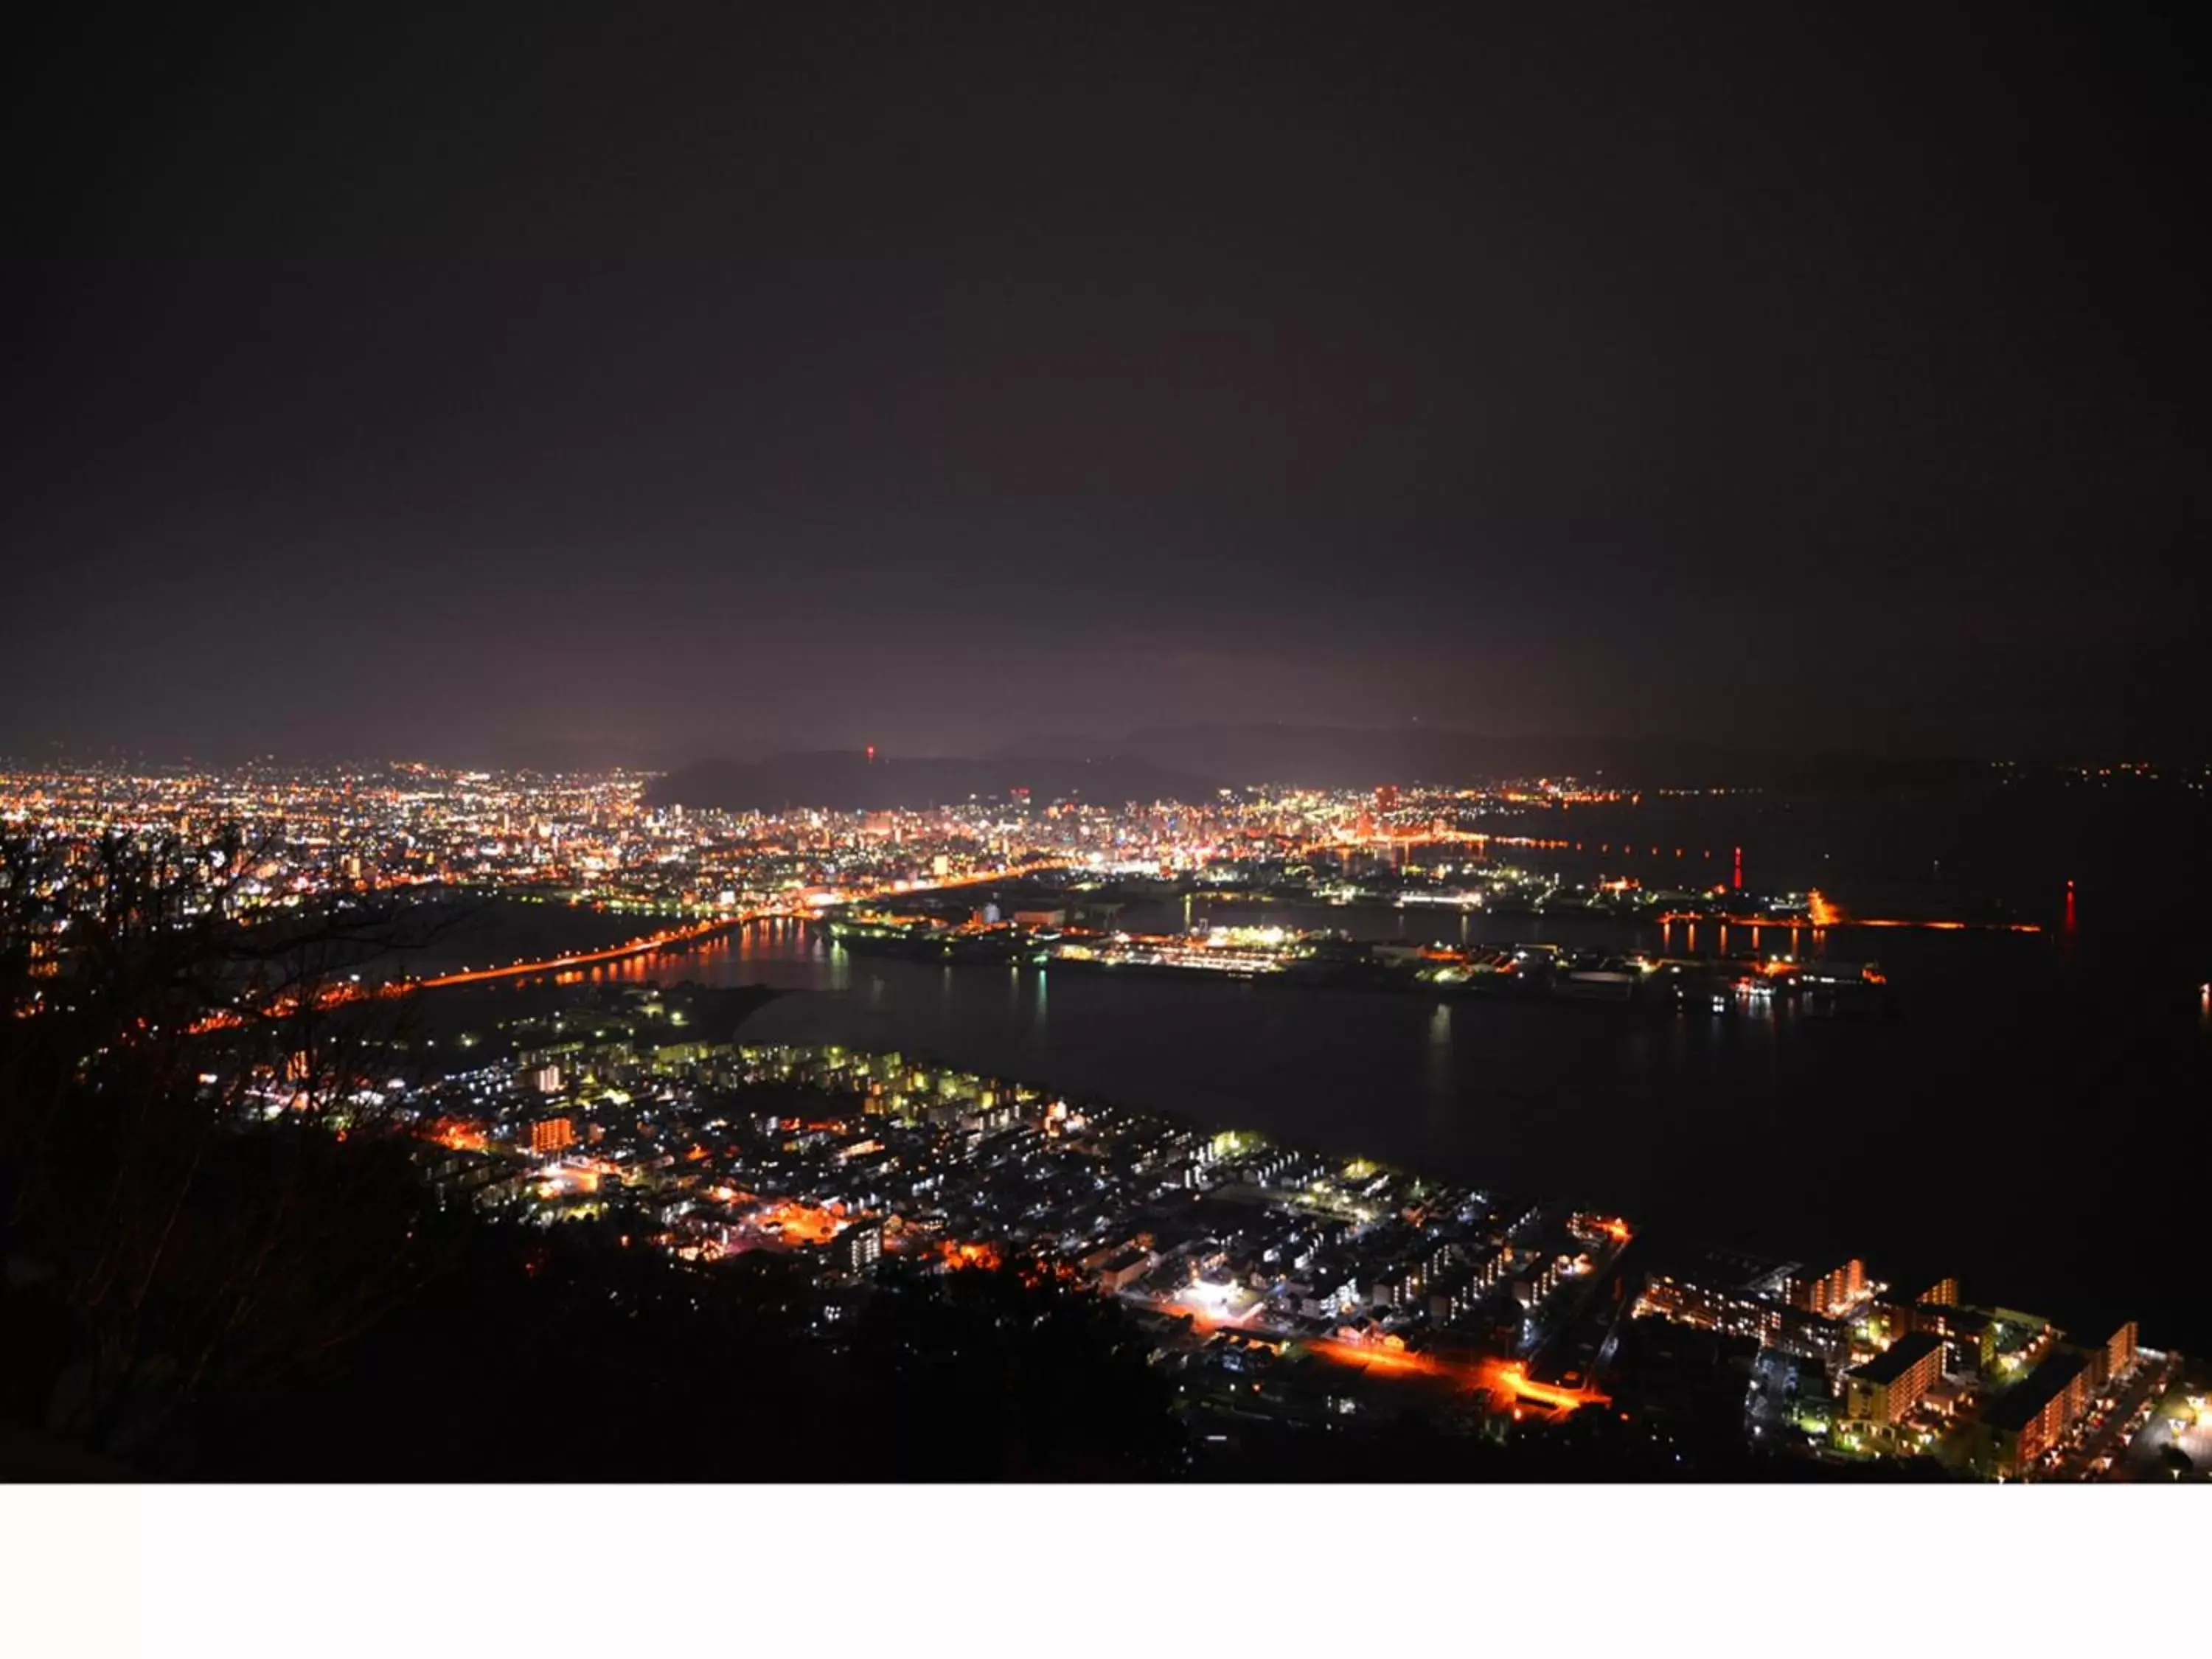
[553, 382]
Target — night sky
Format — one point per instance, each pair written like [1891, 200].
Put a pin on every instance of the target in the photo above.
[568, 383]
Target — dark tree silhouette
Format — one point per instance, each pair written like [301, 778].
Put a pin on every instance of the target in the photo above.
[162, 1244]
[222, 1260]
[1003, 1373]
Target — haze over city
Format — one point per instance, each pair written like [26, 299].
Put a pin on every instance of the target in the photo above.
[640, 389]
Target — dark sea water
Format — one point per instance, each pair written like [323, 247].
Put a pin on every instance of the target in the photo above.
[2038, 1129]
[2037, 1123]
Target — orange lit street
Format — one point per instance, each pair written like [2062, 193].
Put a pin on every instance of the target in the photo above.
[1506, 1382]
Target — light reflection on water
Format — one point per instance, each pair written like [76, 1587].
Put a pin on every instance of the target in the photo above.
[1768, 1128]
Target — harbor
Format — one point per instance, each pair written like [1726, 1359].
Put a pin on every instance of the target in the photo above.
[1320, 959]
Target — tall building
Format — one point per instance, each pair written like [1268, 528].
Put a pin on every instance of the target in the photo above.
[551, 1134]
[2028, 1420]
[2120, 1351]
[1971, 1332]
[1893, 1381]
[861, 1246]
[1828, 1293]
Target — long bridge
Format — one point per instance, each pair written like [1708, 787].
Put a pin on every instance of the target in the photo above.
[332, 996]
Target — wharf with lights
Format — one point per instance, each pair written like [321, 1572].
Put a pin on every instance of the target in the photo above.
[1043, 940]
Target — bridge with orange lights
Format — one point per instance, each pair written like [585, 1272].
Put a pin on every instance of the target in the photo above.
[669, 938]
[1822, 913]
[678, 936]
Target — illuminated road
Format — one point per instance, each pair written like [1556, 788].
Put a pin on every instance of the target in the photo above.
[1825, 912]
[1506, 1382]
[1349, 843]
[555, 965]
[1390, 1362]
[2135, 1420]
[703, 930]
[1946, 926]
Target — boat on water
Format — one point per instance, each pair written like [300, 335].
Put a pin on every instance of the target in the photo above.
[1597, 984]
